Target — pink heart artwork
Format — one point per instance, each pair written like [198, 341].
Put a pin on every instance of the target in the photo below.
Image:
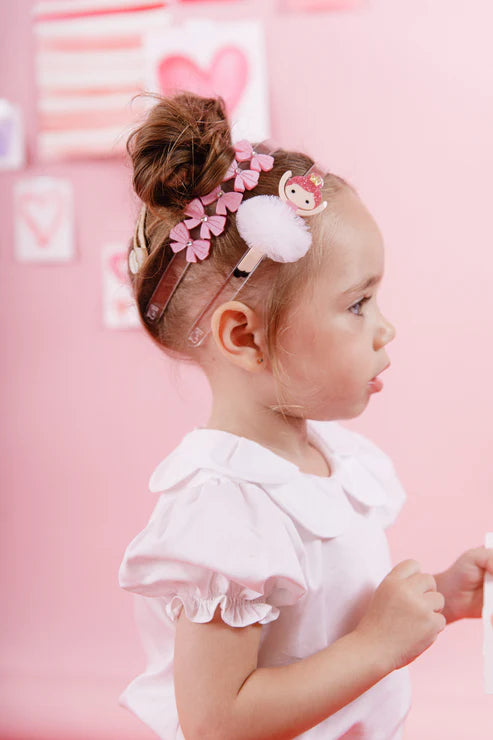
[43, 213]
[118, 266]
[227, 75]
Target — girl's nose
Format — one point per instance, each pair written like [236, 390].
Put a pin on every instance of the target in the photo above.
[385, 333]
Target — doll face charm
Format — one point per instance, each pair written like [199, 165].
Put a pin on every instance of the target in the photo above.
[302, 194]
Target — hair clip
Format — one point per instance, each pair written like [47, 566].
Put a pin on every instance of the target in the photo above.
[208, 224]
[244, 179]
[138, 254]
[229, 201]
[302, 193]
[271, 227]
[196, 248]
[258, 161]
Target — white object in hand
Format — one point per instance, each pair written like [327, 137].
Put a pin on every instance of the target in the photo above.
[487, 625]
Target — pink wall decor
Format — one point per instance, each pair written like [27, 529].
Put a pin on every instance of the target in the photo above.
[12, 151]
[227, 72]
[307, 6]
[208, 1]
[119, 310]
[215, 58]
[43, 212]
[89, 65]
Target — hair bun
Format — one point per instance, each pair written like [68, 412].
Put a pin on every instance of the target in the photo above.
[181, 151]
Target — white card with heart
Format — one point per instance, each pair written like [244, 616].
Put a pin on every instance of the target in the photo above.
[44, 219]
[215, 58]
[119, 309]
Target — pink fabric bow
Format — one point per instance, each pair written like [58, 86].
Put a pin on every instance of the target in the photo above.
[225, 201]
[196, 248]
[244, 179]
[214, 224]
[258, 162]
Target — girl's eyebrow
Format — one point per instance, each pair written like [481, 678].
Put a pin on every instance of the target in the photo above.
[363, 285]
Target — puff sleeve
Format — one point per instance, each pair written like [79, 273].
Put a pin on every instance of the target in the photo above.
[221, 542]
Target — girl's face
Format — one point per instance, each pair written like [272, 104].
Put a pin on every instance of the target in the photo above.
[335, 338]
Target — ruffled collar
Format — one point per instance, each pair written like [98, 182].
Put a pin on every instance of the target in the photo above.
[315, 501]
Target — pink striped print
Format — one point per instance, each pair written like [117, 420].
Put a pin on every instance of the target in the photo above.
[97, 43]
[98, 11]
[84, 119]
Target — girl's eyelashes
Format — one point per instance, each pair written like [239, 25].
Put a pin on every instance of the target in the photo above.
[358, 305]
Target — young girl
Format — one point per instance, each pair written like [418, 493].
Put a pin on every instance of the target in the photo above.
[268, 605]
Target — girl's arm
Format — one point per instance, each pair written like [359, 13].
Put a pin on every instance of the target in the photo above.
[222, 695]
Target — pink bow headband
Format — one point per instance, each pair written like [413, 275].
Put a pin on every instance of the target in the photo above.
[270, 226]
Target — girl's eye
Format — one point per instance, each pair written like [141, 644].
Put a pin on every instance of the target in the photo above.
[358, 306]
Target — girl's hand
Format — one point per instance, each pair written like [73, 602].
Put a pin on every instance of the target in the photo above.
[462, 584]
[403, 616]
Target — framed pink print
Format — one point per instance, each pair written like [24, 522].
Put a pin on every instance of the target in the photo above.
[44, 219]
[215, 58]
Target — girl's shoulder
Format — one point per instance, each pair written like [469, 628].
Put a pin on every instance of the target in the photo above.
[216, 484]
[205, 454]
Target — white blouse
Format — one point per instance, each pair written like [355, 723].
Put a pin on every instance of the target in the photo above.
[240, 526]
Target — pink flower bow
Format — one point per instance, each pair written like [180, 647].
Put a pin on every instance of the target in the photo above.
[195, 247]
[243, 178]
[214, 224]
[225, 201]
[258, 162]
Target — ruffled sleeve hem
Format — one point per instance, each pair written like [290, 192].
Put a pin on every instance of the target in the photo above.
[236, 612]
[219, 543]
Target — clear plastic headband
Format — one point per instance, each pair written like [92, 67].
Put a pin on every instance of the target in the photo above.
[236, 279]
[298, 196]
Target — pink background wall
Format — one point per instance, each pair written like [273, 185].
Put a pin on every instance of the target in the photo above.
[396, 97]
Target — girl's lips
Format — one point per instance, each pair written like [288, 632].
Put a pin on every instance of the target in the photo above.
[375, 383]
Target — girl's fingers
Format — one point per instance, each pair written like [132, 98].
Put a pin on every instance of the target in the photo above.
[484, 558]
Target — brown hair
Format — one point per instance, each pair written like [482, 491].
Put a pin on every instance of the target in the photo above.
[182, 151]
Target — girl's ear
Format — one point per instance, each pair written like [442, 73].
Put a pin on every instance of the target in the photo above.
[239, 334]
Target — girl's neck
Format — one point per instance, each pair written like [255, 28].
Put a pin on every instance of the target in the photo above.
[286, 436]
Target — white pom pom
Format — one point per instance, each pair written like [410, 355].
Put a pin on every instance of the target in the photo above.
[267, 224]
